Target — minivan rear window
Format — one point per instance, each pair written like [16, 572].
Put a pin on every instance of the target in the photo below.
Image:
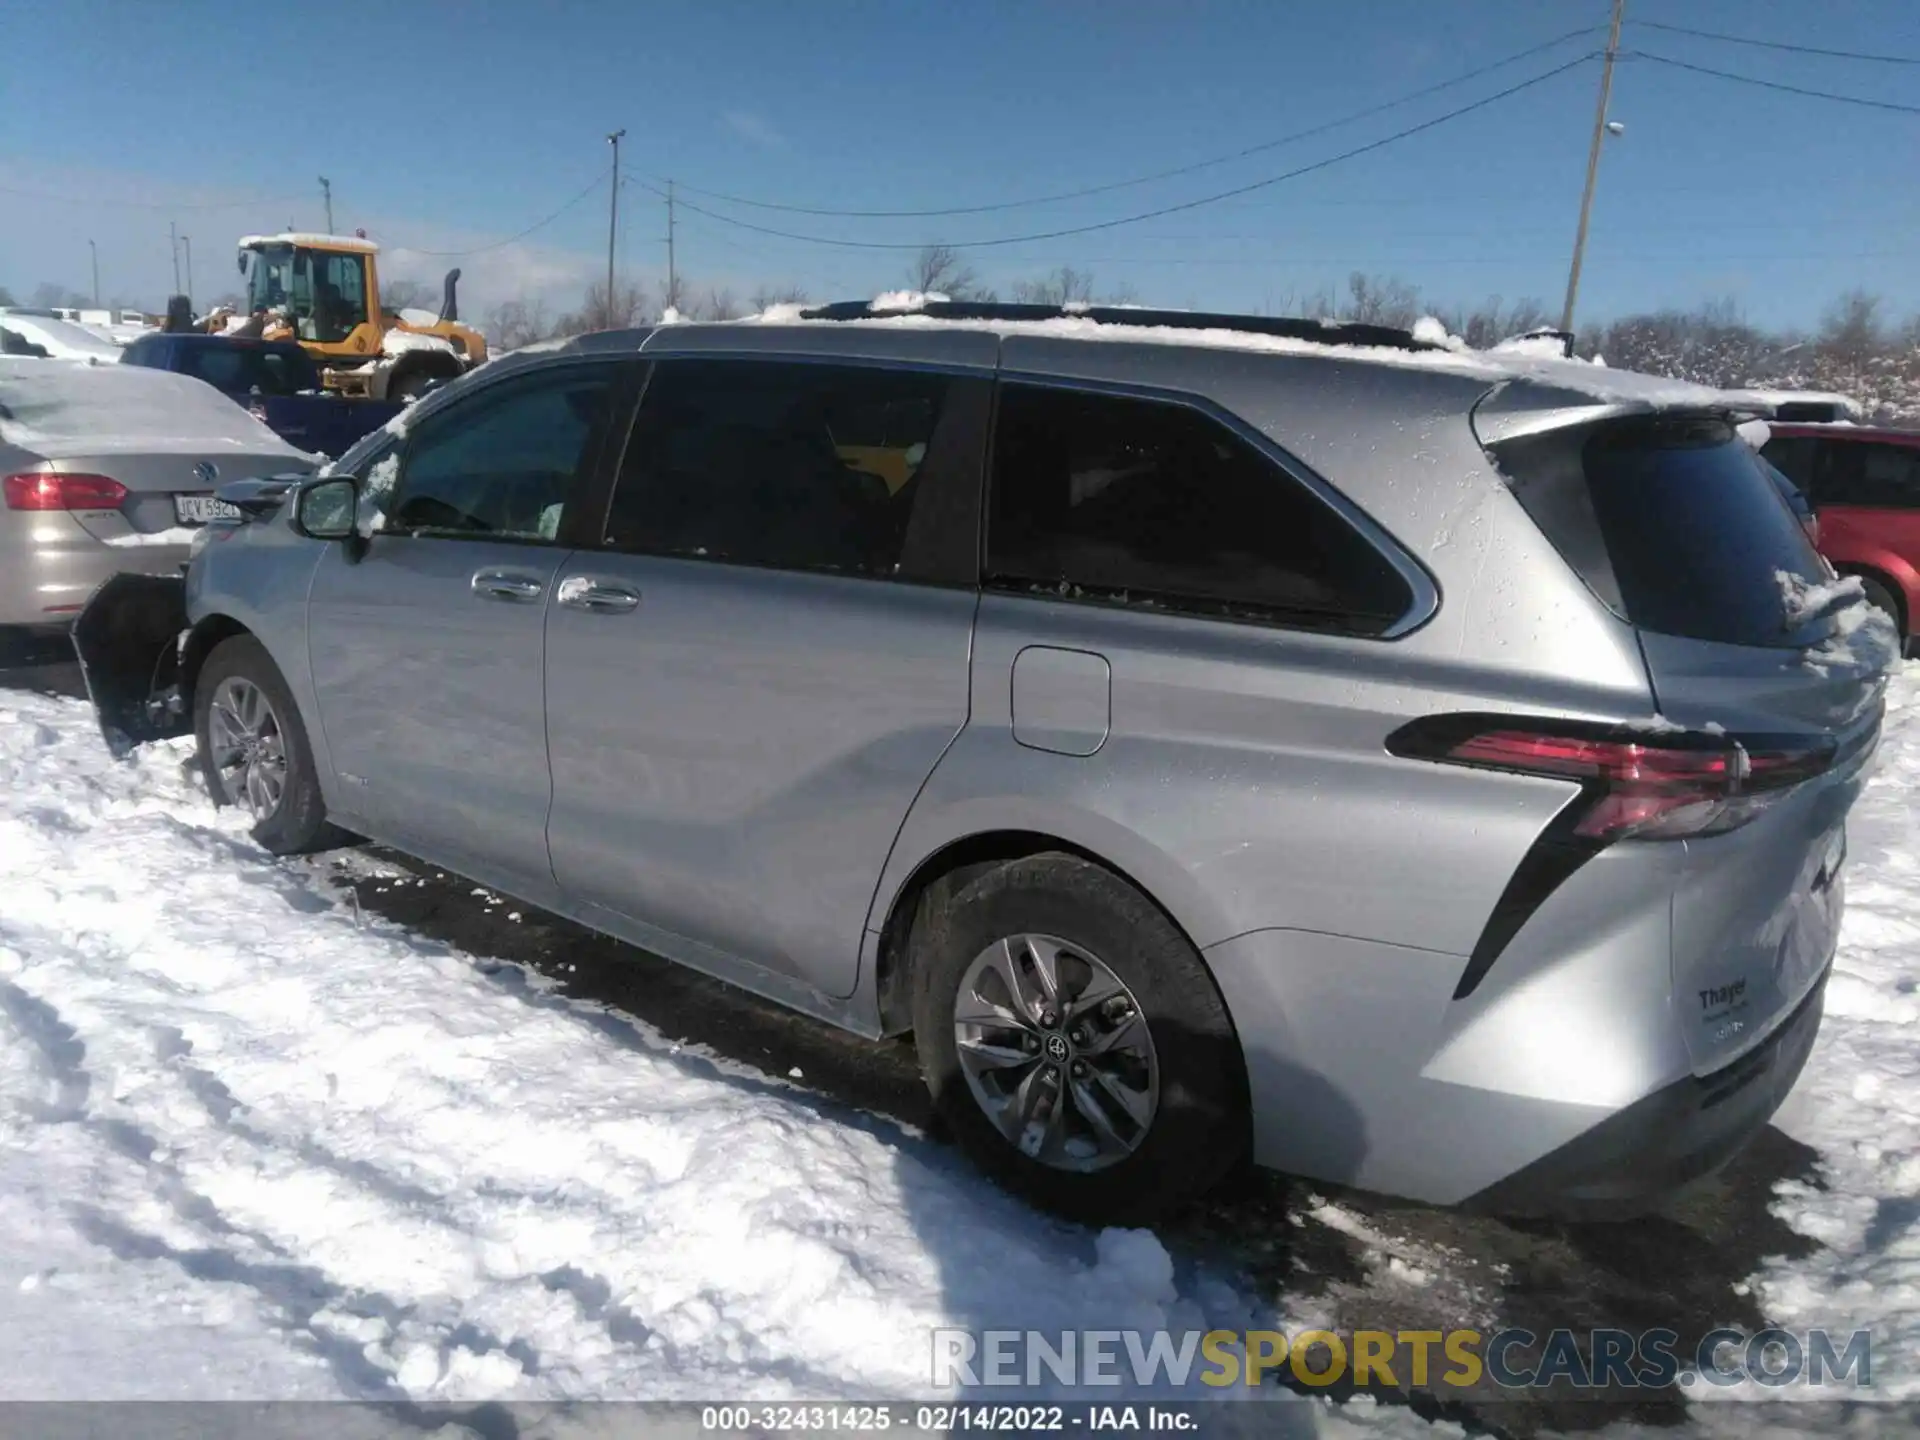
[1672, 522]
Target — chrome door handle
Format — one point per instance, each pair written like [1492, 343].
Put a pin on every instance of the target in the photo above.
[505, 585]
[597, 597]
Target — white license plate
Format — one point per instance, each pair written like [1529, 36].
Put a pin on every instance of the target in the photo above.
[199, 509]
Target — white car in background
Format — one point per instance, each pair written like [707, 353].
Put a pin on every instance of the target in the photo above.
[60, 339]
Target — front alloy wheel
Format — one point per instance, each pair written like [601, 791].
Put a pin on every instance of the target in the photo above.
[1056, 1053]
[247, 746]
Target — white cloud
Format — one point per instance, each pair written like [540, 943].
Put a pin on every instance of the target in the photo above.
[751, 127]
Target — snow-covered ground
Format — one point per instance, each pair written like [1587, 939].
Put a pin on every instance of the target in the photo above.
[256, 1144]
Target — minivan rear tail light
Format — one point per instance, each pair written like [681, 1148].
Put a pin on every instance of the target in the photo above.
[1635, 784]
[49, 490]
[1640, 785]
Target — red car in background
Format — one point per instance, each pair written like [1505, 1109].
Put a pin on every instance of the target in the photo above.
[1864, 483]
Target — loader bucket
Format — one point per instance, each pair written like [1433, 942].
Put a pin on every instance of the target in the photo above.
[127, 639]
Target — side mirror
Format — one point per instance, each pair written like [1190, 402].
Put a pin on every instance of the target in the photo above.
[324, 509]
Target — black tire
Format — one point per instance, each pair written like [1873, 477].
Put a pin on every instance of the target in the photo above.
[298, 823]
[1881, 597]
[1199, 1131]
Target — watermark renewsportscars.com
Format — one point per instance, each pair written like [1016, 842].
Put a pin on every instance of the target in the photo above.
[1511, 1359]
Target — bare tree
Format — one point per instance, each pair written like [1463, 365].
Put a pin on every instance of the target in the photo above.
[627, 309]
[1492, 320]
[713, 304]
[6, 296]
[765, 297]
[1850, 330]
[1065, 286]
[519, 322]
[940, 270]
[1373, 300]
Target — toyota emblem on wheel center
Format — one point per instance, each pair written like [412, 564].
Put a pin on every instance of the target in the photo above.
[1057, 1048]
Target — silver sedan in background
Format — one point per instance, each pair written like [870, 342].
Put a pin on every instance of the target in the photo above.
[108, 468]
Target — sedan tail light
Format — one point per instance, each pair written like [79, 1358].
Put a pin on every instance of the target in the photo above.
[49, 490]
[1666, 785]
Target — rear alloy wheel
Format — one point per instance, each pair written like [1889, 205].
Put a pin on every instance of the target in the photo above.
[1053, 1048]
[254, 751]
[1074, 1042]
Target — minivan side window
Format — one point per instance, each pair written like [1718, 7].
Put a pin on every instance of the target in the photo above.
[503, 463]
[1139, 501]
[1873, 474]
[794, 465]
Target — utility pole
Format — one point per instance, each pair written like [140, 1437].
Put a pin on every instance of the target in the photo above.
[326, 194]
[673, 276]
[173, 243]
[1593, 166]
[613, 218]
[94, 251]
[187, 242]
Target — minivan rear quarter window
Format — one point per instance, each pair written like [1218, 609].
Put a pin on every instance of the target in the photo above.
[1135, 500]
[1671, 522]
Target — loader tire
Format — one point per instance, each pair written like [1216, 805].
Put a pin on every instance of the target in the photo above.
[254, 751]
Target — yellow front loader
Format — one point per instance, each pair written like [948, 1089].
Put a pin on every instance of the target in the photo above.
[324, 292]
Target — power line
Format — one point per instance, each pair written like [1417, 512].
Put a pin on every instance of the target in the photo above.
[1177, 170]
[1153, 214]
[1774, 84]
[592, 186]
[1778, 44]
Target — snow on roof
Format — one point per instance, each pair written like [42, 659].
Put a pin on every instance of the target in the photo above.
[62, 339]
[1593, 382]
[59, 407]
[312, 240]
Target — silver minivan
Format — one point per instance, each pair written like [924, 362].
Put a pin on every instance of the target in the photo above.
[1213, 738]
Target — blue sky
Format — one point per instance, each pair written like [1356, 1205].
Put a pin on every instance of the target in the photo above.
[448, 127]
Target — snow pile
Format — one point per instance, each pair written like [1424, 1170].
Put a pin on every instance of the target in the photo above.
[1858, 1102]
[1863, 636]
[895, 300]
[402, 342]
[1546, 347]
[1430, 330]
[1755, 432]
[252, 1145]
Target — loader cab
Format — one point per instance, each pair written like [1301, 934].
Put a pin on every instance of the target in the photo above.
[325, 285]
